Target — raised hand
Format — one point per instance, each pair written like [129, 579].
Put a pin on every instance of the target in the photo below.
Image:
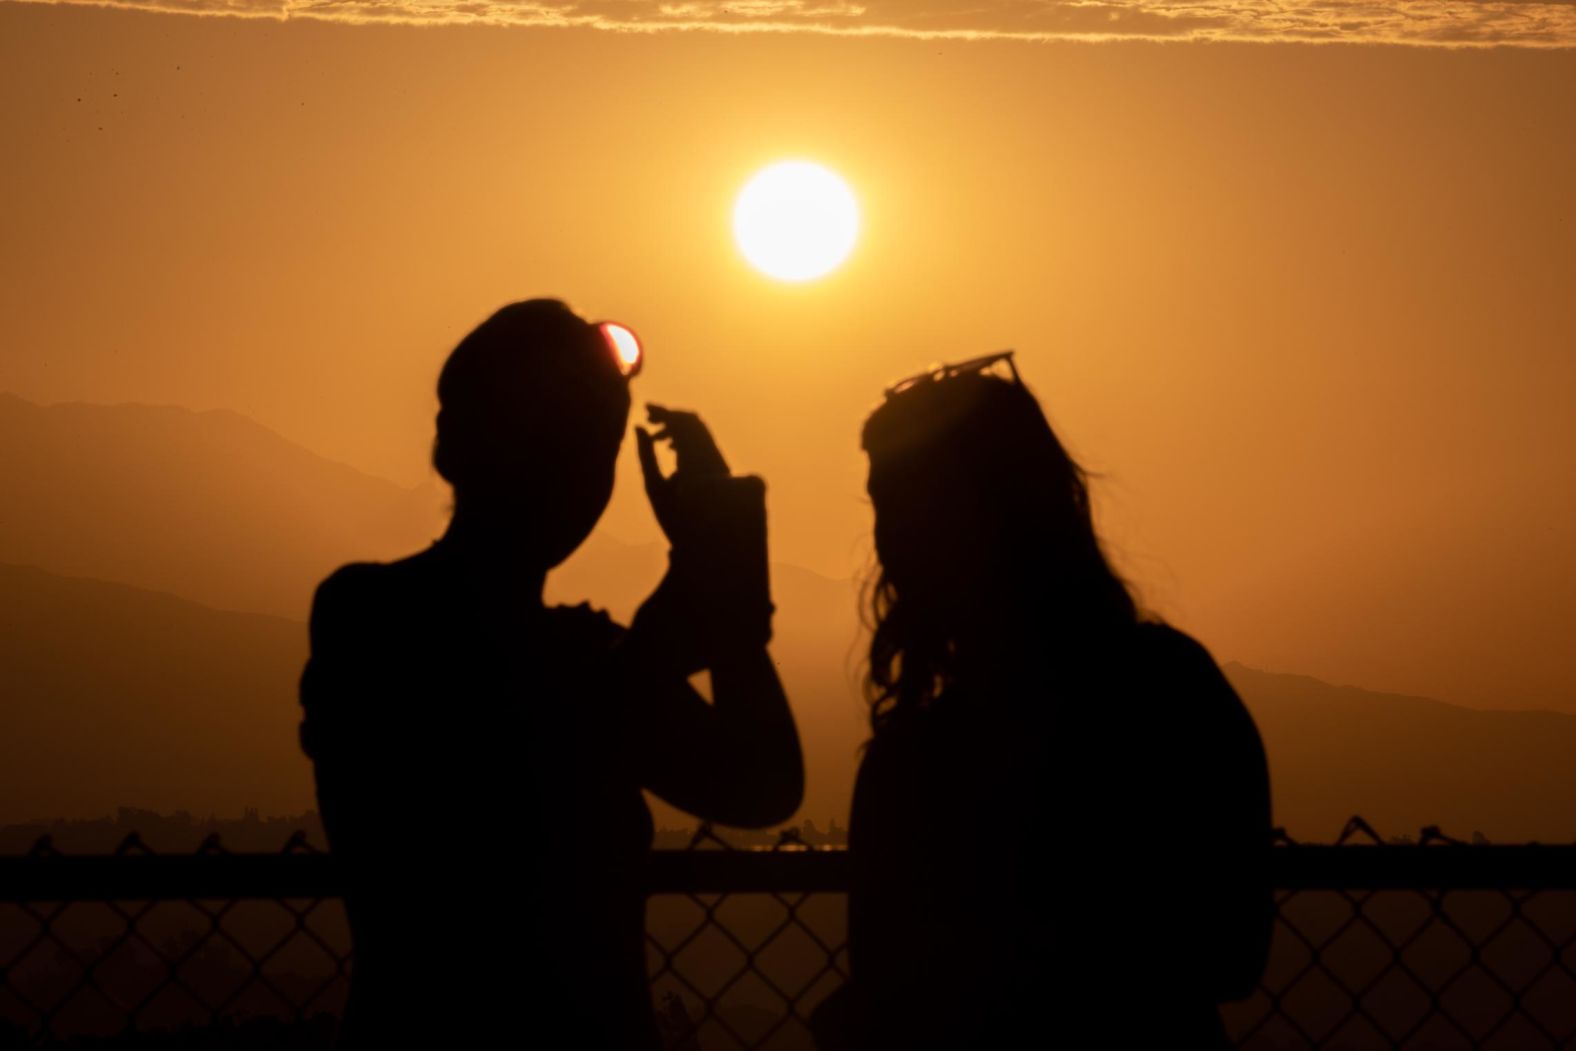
[697, 458]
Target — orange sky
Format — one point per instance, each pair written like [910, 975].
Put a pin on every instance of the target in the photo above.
[1308, 309]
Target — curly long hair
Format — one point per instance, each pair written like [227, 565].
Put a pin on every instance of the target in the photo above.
[986, 543]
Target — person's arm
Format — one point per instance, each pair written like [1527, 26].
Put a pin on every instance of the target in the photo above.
[881, 923]
[1235, 904]
[902, 980]
[332, 684]
[1246, 902]
[737, 760]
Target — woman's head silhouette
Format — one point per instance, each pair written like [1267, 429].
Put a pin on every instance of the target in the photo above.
[987, 547]
[532, 410]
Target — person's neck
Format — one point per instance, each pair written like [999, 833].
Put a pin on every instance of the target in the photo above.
[492, 551]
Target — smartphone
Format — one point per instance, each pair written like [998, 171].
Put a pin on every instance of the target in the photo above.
[726, 538]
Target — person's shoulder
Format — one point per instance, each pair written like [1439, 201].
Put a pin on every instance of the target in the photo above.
[1165, 645]
[359, 591]
[1180, 668]
[355, 583]
[349, 582]
[585, 625]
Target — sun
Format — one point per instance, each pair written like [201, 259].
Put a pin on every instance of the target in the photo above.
[796, 221]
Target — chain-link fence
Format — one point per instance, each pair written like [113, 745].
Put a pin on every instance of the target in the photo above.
[1431, 944]
[1428, 944]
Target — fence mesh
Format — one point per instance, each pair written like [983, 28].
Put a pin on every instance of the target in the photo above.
[743, 970]
[1436, 965]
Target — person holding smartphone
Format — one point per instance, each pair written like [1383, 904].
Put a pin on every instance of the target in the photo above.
[480, 756]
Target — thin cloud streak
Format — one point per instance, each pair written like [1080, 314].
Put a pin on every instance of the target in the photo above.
[1427, 23]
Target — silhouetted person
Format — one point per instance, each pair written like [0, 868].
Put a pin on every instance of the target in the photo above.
[1109, 887]
[480, 755]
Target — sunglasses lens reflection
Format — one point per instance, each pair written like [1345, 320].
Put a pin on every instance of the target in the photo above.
[625, 347]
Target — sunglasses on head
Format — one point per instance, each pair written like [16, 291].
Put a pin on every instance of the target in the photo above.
[937, 373]
[627, 352]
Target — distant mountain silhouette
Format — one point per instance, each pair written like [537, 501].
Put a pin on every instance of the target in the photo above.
[208, 505]
[123, 697]
[116, 696]
[218, 509]
[1406, 762]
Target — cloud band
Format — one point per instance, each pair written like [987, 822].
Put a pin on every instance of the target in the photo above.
[1435, 23]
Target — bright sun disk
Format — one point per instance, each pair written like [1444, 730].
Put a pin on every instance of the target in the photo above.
[796, 221]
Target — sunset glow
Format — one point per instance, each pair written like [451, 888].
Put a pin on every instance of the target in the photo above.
[1277, 297]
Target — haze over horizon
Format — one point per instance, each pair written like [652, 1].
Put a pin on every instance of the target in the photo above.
[164, 656]
[601, 571]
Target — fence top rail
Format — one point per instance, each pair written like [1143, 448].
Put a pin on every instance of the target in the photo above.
[215, 875]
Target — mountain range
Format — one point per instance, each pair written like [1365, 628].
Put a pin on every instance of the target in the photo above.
[209, 505]
[158, 564]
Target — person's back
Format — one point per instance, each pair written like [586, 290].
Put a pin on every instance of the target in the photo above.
[1082, 856]
[1061, 823]
[490, 825]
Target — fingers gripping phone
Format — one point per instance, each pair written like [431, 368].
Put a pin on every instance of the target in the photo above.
[716, 523]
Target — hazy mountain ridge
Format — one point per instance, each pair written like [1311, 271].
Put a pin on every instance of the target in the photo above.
[176, 705]
[218, 509]
[1405, 762]
[210, 505]
[119, 696]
